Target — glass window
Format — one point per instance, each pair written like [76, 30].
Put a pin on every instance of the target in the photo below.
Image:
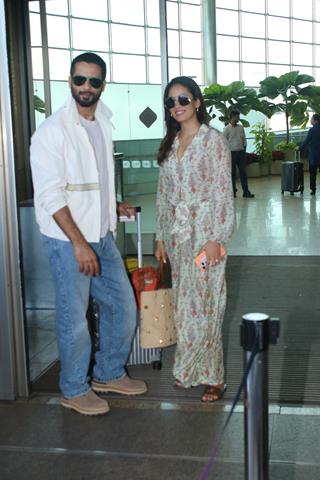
[227, 22]
[278, 122]
[253, 6]
[116, 97]
[277, 7]
[37, 65]
[277, 70]
[191, 45]
[278, 28]
[34, 6]
[197, 2]
[153, 18]
[38, 90]
[129, 69]
[173, 43]
[317, 10]
[58, 7]
[120, 36]
[253, 73]
[95, 37]
[190, 17]
[227, 48]
[317, 32]
[193, 68]
[59, 94]
[154, 64]
[232, 4]
[153, 41]
[172, 15]
[59, 64]
[228, 72]
[123, 11]
[35, 29]
[302, 9]
[253, 50]
[303, 69]
[94, 9]
[301, 31]
[253, 25]
[317, 75]
[174, 67]
[301, 54]
[279, 52]
[58, 32]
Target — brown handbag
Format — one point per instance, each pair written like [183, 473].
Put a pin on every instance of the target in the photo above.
[157, 327]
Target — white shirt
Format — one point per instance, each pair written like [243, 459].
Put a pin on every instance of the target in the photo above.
[236, 137]
[65, 173]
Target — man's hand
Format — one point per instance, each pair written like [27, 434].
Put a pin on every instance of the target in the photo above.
[125, 209]
[86, 258]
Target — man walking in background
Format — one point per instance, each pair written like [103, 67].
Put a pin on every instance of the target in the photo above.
[236, 137]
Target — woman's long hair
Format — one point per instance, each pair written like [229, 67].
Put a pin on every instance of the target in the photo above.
[172, 125]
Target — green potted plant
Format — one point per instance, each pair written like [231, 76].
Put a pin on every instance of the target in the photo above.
[295, 99]
[288, 149]
[263, 141]
[225, 98]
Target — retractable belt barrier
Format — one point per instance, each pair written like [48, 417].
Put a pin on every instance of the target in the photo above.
[257, 331]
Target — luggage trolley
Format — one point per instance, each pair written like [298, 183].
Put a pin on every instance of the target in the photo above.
[139, 355]
[292, 177]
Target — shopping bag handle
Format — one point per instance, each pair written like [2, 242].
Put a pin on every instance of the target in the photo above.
[165, 274]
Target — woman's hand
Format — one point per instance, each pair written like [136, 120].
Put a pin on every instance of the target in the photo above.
[213, 253]
[160, 252]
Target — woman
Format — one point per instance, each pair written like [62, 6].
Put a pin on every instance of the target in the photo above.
[195, 214]
[312, 140]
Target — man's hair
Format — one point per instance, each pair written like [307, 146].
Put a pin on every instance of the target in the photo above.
[89, 57]
[234, 113]
[316, 117]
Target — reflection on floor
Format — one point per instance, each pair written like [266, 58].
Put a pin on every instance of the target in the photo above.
[269, 224]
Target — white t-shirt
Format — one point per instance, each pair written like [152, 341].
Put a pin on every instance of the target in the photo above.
[96, 139]
[236, 137]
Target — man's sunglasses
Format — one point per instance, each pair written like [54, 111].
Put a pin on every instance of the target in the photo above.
[183, 100]
[79, 80]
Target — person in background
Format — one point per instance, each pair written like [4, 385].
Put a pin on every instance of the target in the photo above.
[74, 196]
[195, 215]
[236, 137]
[312, 140]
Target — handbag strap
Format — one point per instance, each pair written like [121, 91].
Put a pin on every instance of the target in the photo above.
[165, 274]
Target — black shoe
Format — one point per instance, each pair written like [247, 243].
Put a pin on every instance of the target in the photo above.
[248, 194]
[234, 195]
[313, 192]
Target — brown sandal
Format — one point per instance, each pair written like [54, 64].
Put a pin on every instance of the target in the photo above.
[213, 393]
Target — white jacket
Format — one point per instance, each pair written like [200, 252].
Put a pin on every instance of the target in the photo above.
[64, 172]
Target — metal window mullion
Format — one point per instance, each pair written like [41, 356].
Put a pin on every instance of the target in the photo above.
[110, 41]
[146, 42]
[45, 57]
[180, 37]
[163, 43]
[240, 41]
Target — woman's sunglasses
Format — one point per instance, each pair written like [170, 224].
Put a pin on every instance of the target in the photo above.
[79, 80]
[183, 100]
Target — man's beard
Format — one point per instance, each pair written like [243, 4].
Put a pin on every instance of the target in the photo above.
[85, 99]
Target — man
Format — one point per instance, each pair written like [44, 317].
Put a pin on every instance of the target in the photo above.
[237, 143]
[74, 196]
[312, 140]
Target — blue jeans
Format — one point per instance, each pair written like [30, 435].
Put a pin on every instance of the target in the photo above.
[117, 320]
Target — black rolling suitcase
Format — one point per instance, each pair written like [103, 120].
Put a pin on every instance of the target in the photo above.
[292, 178]
[139, 355]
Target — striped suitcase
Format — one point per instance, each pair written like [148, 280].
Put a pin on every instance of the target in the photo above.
[139, 355]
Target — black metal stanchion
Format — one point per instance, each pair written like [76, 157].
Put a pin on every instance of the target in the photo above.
[257, 332]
